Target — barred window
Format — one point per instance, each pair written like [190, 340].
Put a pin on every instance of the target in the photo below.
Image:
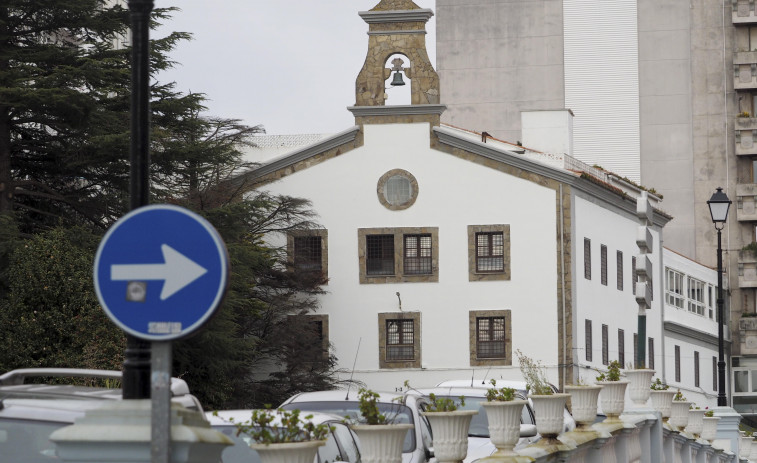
[399, 339]
[308, 252]
[379, 254]
[605, 345]
[490, 251]
[621, 348]
[587, 258]
[620, 270]
[490, 337]
[587, 340]
[417, 254]
[603, 262]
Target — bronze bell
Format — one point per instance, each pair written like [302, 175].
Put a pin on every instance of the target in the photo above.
[397, 80]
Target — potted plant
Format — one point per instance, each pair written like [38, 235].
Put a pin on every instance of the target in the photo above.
[549, 405]
[679, 411]
[613, 394]
[709, 425]
[662, 398]
[380, 439]
[694, 426]
[638, 387]
[282, 436]
[503, 410]
[745, 444]
[583, 400]
[449, 426]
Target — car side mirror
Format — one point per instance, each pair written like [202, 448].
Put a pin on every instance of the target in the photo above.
[527, 430]
[430, 452]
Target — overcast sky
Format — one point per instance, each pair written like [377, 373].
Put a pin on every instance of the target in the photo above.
[289, 65]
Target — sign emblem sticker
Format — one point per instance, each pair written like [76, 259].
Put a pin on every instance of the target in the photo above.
[160, 272]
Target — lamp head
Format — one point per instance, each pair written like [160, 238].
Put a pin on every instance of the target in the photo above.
[719, 205]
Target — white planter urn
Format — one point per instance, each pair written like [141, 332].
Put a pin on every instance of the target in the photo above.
[638, 387]
[709, 428]
[695, 422]
[613, 398]
[662, 401]
[679, 414]
[745, 446]
[504, 424]
[549, 410]
[450, 431]
[753, 451]
[381, 443]
[289, 452]
[583, 401]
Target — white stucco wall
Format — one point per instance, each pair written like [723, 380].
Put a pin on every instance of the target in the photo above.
[686, 330]
[607, 305]
[453, 193]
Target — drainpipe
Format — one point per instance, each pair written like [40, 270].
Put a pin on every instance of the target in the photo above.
[562, 279]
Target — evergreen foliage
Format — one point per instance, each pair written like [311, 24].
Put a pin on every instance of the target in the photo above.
[64, 175]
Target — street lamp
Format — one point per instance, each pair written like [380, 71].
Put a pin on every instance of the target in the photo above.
[719, 205]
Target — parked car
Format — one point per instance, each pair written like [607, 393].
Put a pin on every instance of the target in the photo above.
[29, 413]
[402, 407]
[520, 386]
[341, 444]
[479, 443]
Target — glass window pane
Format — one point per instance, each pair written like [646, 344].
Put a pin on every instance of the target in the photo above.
[741, 381]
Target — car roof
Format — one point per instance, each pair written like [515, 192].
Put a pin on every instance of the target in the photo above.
[13, 384]
[339, 395]
[483, 384]
[463, 391]
[229, 417]
[62, 411]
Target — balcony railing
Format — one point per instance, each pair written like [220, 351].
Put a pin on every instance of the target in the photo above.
[747, 269]
[743, 12]
[745, 129]
[745, 70]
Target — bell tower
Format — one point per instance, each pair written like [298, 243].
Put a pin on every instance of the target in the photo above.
[397, 48]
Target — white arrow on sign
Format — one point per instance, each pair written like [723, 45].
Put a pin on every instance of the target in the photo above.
[177, 270]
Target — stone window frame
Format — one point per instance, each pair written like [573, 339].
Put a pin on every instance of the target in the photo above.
[389, 364]
[399, 252]
[381, 185]
[324, 235]
[474, 275]
[325, 341]
[475, 361]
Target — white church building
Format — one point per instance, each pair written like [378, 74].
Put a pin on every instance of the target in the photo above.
[447, 250]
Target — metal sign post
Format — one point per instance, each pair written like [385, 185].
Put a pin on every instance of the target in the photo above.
[160, 273]
[161, 402]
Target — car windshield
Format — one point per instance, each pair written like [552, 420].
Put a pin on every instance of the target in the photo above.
[27, 441]
[395, 412]
[240, 452]
[479, 425]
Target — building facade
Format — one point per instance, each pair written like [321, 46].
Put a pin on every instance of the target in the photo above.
[447, 251]
[662, 93]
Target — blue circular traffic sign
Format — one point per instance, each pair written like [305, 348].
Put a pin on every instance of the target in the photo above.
[160, 272]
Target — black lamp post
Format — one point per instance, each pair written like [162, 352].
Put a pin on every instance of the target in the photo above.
[719, 205]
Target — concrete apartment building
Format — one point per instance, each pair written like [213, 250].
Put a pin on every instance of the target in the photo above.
[663, 92]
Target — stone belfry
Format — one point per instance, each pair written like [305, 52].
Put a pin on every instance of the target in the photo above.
[396, 28]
